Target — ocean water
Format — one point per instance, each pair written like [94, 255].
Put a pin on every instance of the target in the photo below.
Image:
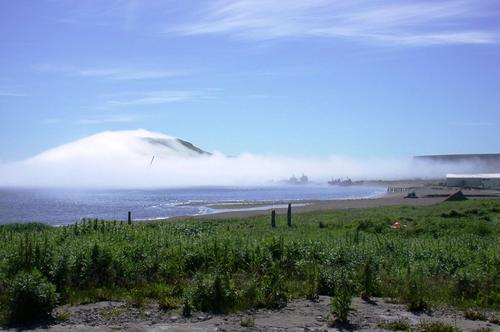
[64, 206]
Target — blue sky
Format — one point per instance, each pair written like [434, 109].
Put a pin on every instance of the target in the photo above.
[295, 77]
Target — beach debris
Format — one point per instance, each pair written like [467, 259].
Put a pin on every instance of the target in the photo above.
[455, 197]
[289, 215]
[411, 195]
[151, 162]
[396, 225]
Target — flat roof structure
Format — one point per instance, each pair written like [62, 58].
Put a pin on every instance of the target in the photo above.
[474, 176]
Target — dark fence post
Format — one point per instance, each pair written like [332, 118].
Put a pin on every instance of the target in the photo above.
[289, 215]
[273, 218]
[129, 217]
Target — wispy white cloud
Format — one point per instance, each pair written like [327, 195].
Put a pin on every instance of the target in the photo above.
[50, 121]
[105, 120]
[420, 23]
[11, 94]
[93, 120]
[150, 97]
[112, 73]
[474, 124]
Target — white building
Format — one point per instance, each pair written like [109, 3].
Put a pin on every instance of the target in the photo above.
[473, 180]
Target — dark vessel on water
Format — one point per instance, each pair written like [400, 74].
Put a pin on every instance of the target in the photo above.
[343, 182]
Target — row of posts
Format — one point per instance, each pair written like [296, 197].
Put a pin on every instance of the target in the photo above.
[288, 217]
[397, 189]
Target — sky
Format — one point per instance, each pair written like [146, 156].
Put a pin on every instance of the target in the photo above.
[298, 78]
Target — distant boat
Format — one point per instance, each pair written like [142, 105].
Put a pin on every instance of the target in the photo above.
[344, 182]
[302, 180]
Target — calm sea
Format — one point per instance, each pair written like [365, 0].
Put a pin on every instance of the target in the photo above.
[59, 206]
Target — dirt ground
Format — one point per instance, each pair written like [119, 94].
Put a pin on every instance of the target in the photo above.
[298, 315]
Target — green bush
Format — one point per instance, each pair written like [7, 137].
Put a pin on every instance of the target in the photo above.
[368, 280]
[341, 300]
[437, 327]
[168, 303]
[186, 307]
[247, 322]
[250, 296]
[274, 290]
[413, 292]
[32, 297]
[397, 325]
[312, 282]
[213, 293]
[483, 329]
[475, 315]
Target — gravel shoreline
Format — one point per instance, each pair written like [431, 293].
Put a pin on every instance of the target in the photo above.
[298, 315]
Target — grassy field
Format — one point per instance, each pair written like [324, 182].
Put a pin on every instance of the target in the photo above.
[447, 253]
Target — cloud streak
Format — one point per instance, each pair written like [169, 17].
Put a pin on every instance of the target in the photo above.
[421, 23]
[106, 120]
[11, 94]
[112, 73]
[474, 124]
[151, 97]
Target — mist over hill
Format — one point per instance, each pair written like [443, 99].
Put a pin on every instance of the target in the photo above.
[144, 159]
[120, 144]
[483, 163]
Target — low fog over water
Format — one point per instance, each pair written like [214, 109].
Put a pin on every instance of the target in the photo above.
[143, 159]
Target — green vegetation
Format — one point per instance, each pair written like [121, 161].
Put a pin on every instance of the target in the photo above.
[342, 296]
[437, 327]
[475, 315]
[447, 253]
[397, 325]
[247, 322]
[32, 296]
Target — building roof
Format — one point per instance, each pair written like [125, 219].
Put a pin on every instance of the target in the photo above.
[474, 176]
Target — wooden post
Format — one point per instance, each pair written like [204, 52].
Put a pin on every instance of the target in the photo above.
[129, 218]
[289, 215]
[273, 218]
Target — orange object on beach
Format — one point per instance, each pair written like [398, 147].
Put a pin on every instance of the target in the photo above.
[396, 225]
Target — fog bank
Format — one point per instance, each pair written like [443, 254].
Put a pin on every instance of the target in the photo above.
[142, 159]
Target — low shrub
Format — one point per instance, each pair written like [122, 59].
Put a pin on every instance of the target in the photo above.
[368, 281]
[475, 315]
[437, 327]
[213, 293]
[274, 291]
[397, 325]
[32, 297]
[247, 322]
[341, 300]
[186, 307]
[137, 299]
[312, 283]
[168, 303]
[413, 293]
[62, 316]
